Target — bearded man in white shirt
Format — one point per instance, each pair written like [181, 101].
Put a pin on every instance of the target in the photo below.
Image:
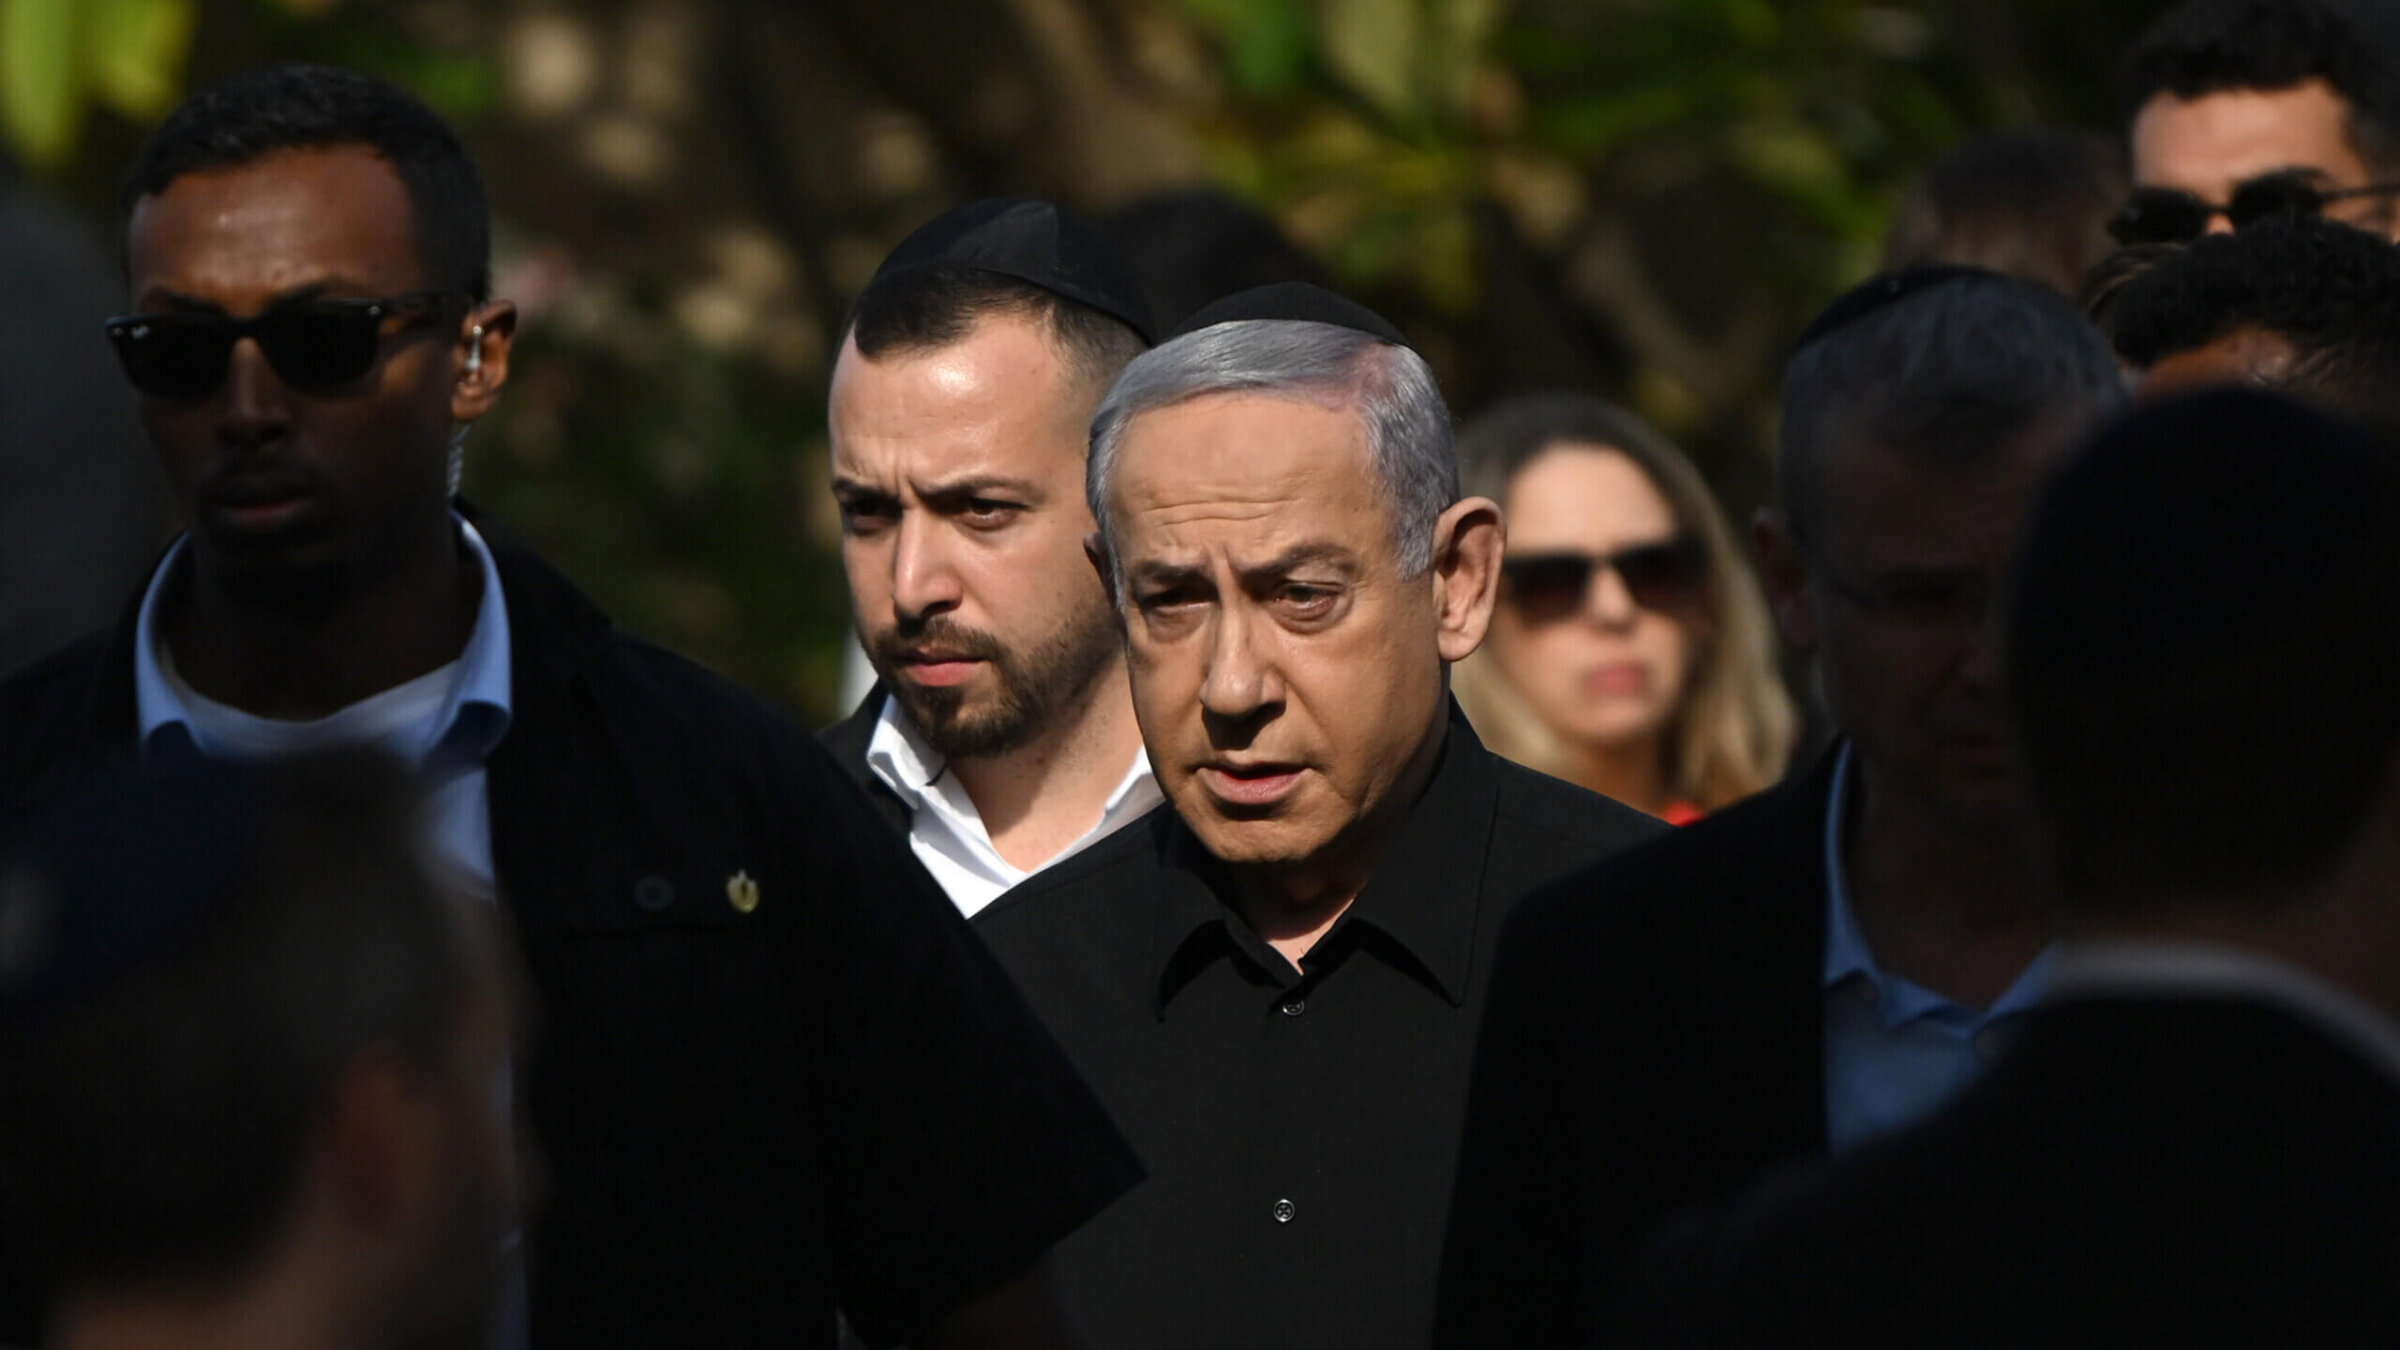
[1000, 735]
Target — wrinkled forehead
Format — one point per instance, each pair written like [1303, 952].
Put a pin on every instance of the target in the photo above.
[1884, 505]
[1245, 462]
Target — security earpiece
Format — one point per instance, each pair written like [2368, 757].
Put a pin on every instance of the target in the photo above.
[475, 353]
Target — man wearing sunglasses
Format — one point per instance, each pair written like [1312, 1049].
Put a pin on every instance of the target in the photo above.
[743, 979]
[2247, 110]
[1835, 958]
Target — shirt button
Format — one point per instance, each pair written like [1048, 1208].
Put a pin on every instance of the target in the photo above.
[1284, 1210]
[1295, 1007]
[654, 893]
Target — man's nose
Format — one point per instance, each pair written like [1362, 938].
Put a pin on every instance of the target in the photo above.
[924, 574]
[255, 404]
[1242, 679]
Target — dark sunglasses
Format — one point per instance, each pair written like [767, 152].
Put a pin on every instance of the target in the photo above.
[315, 346]
[1667, 578]
[2172, 216]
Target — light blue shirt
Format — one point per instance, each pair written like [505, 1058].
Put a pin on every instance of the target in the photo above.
[445, 724]
[1895, 1050]
[446, 730]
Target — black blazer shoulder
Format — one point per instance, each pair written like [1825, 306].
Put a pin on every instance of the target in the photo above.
[1655, 1037]
[2168, 1170]
[848, 740]
[1716, 905]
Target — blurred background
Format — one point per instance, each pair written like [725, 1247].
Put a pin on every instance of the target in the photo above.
[1638, 198]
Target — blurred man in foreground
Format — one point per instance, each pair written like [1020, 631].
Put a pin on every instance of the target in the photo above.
[2246, 110]
[1274, 983]
[999, 736]
[2192, 1144]
[744, 978]
[2307, 306]
[1837, 957]
[250, 1046]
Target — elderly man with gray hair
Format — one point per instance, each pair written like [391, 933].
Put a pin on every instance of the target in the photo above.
[1835, 958]
[1274, 981]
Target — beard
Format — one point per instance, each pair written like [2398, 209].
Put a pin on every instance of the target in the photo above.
[1033, 688]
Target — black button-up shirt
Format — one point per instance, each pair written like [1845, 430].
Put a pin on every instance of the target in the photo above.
[1300, 1125]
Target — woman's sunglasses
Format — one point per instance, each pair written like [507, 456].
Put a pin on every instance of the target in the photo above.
[1667, 578]
[2172, 216]
[315, 346]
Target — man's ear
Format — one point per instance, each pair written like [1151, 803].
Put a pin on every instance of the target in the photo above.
[1468, 542]
[1783, 571]
[480, 358]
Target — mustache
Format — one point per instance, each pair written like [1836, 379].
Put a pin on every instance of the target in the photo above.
[938, 632]
[242, 480]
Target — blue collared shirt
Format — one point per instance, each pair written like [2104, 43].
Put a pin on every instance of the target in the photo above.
[1895, 1050]
[449, 739]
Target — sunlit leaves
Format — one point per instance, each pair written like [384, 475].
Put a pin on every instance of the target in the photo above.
[42, 76]
[61, 59]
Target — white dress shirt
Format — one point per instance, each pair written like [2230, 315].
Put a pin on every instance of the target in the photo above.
[946, 830]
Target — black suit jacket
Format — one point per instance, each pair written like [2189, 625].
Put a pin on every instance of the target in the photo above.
[744, 1115]
[2168, 1171]
[1655, 1037]
[847, 741]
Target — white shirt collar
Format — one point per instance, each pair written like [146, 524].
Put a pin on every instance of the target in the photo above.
[2161, 968]
[945, 829]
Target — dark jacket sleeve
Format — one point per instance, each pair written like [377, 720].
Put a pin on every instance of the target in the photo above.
[1508, 1268]
[962, 1143]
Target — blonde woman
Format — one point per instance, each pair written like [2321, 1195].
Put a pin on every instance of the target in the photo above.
[1631, 651]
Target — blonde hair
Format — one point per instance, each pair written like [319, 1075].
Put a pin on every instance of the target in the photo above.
[1732, 732]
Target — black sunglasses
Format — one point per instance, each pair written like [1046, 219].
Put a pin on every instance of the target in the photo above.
[1668, 577]
[315, 346]
[2172, 216]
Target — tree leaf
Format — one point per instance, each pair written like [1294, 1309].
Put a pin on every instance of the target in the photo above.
[1372, 46]
[41, 77]
[136, 51]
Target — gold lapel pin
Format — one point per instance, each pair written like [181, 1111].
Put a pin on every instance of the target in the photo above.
[741, 892]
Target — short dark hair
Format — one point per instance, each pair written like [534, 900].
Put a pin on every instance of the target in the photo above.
[923, 309]
[1953, 372]
[2331, 291]
[2032, 204]
[2212, 46]
[2201, 649]
[156, 1117]
[304, 107]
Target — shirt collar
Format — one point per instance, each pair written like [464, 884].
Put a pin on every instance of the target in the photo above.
[2159, 968]
[1847, 957]
[472, 720]
[899, 756]
[1421, 898]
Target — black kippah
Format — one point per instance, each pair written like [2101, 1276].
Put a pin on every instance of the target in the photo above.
[1882, 292]
[1293, 300]
[124, 875]
[1037, 242]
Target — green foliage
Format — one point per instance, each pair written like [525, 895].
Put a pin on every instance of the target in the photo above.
[1673, 184]
[58, 57]
[61, 59]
